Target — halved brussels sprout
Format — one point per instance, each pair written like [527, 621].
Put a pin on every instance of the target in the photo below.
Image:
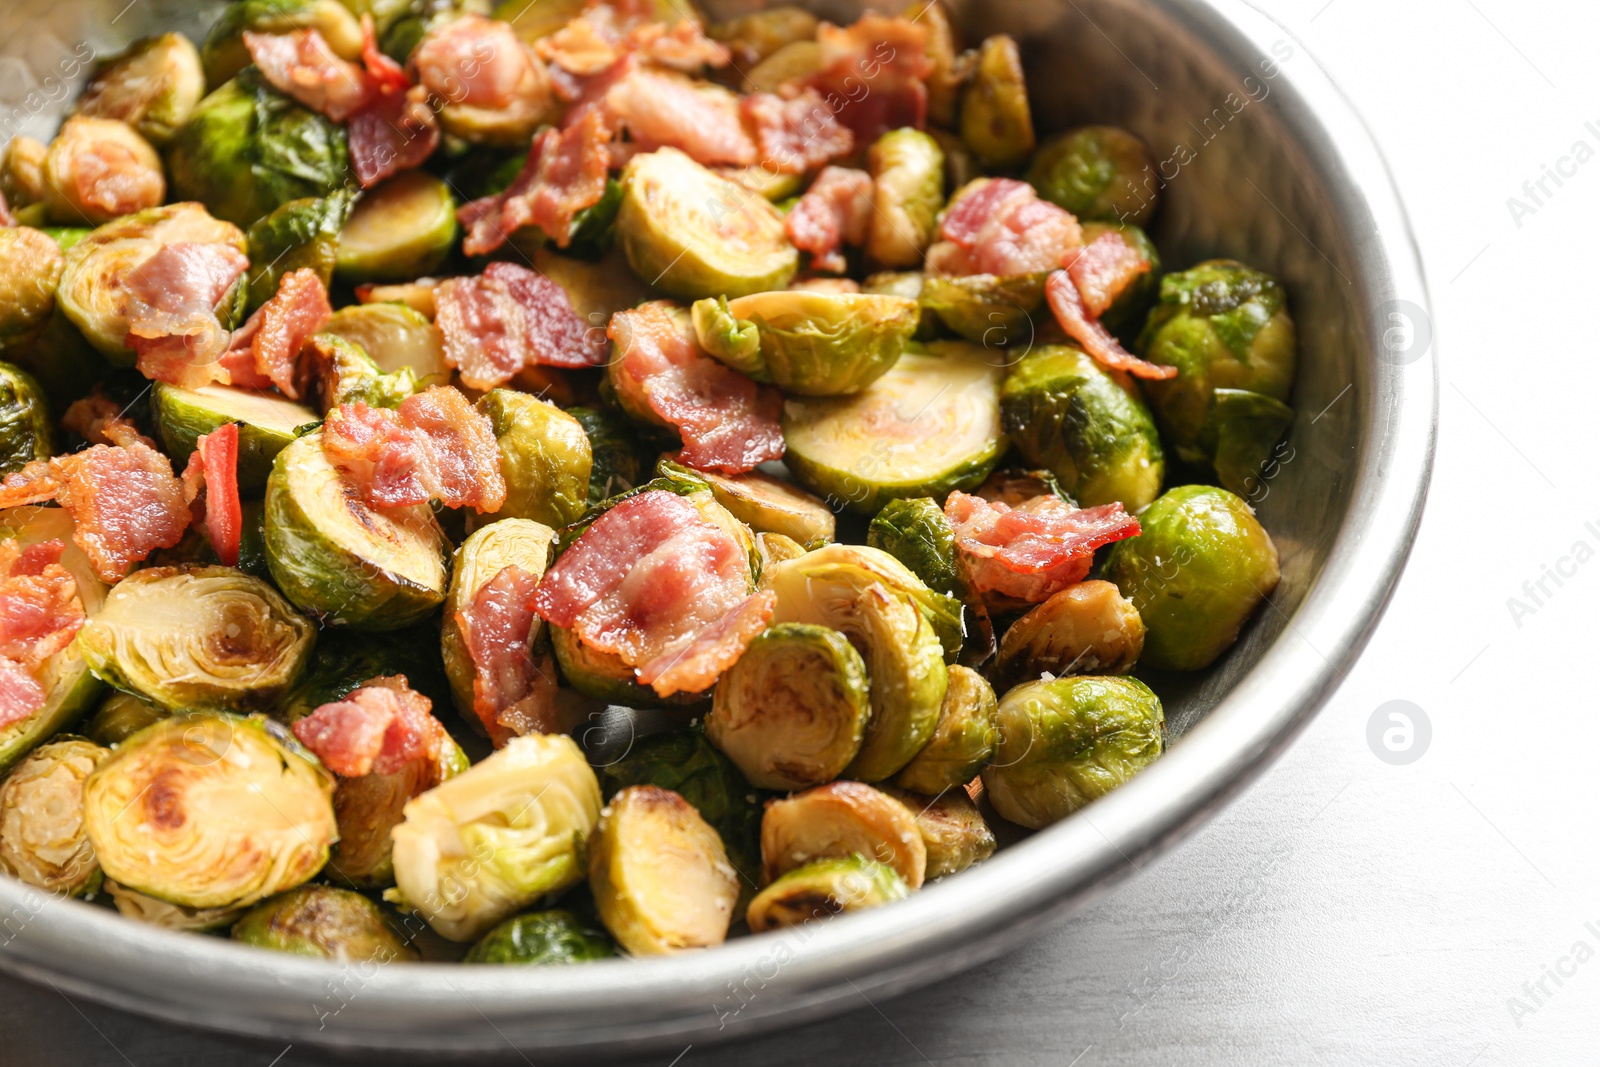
[152, 86]
[907, 169]
[839, 820]
[324, 923]
[1085, 424]
[1097, 173]
[401, 229]
[753, 37]
[268, 423]
[1067, 741]
[100, 169]
[771, 505]
[223, 54]
[620, 462]
[492, 840]
[662, 882]
[932, 424]
[693, 234]
[805, 342]
[396, 338]
[544, 457]
[342, 373]
[30, 268]
[988, 309]
[22, 171]
[27, 429]
[1015, 486]
[906, 283]
[120, 716]
[299, 235]
[776, 548]
[537, 19]
[764, 182]
[962, 743]
[1126, 314]
[953, 830]
[823, 889]
[346, 563]
[248, 148]
[792, 61]
[197, 637]
[995, 121]
[1240, 437]
[791, 712]
[916, 532]
[1088, 628]
[91, 292]
[543, 937]
[42, 840]
[143, 908]
[950, 69]
[208, 810]
[1197, 572]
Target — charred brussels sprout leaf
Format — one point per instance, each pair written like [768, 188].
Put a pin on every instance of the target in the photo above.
[26, 426]
[400, 230]
[299, 235]
[1199, 570]
[823, 889]
[396, 338]
[619, 462]
[770, 505]
[120, 717]
[152, 86]
[223, 54]
[907, 168]
[268, 423]
[543, 937]
[345, 374]
[909, 284]
[962, 742]
[995, 121]
[324, 923]
[30, 268]
[1098, 173]
[953, 830]
[42, 839]
[1088, 628]
[838, 820]
[544, 456]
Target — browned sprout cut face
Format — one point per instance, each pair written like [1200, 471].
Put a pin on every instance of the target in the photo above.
[823, 889]
[838, 820]
[42, 839]
[953, 829]
[1088, 628]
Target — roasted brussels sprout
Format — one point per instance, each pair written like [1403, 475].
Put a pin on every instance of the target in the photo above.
[988, 309]
[544, 457]
[909, 284]
[1085, 424]
[345, 660]
[42, 840]
[121, 716]
[1067, 741]
[143, 908]
[152, 87]
[596, 290]
[299, 235]
[1097, 173]
[916, 532]
[619, 460]
[662, 882]
[774, 549]
[268, 423]
[950, 70]
[996, 124]
[30, 268]
[537, 19]
[930, 425]
[27, 430]
[339, 560]
[1197, 572]
[953, 830]
[22, 172]
[693, 234]
[1240, 438]
[1088, 628]
[962, 742]
[1015, 486]
[208, 810]
[100, 169]
[223, 53]
[839, 820]
[396, 338]
[543, 937]
[399, 230]
[1125, 317]
[753, 37]
[342, 373]
[791, 712]
[809, 343]
[324, 923]
[492, 840]
[822, 889]
[197, 637]
[907, 169]
[793, 61]
[247, 149]
[771, 505]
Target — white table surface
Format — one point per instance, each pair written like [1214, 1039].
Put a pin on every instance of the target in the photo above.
[1344, 910]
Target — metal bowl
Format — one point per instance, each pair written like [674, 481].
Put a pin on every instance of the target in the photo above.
[1263, 160]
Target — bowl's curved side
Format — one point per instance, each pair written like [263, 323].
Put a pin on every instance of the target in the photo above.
[1289, 178]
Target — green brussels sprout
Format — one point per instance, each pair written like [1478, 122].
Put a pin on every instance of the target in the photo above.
[950, 70]
[916, 532]
[224, 55]
[42, 840]
[907, 168]
[197, 637]
[27, 430]
[152, 86]
[996, 124]
[988, 309]
[91, 292]
[1088, 628]
[22, 173]
[822, 890]
[792, 711]
[210, 810]
[1015, 486]
[298, 235]
[143, 908]
[488, 842]
[776, 548]
[1126, 315]
[1240, 438]
[543, 937]
[809, 343]
[837, 820]
[324, 923]
[267, 422]
[247, 149]
[694, 234]
[1085, 424]
[1198, 570]
[403, 228]
[618, 459]
[544, 457]
[1098, 173]
[930, 425]
[82, 186]
[872, 599]
[753, 37]
[1067, 741]
[344, 661]
[341, 561]
[121, 716]
[64, 364]
[765, 182]
[66, 236]
[30, 267]
[909, 284]
[791, 62]
[771, 505]
[962, 742]
[396, 338]
[343, 373]
[953, 830]
[662, 882]
[536, 19]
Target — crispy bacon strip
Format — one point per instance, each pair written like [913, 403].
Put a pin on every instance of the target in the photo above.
[509, 317]
[377, 729]
[274, 335]
[173, 326]
[797, 134]
[434, 447]
[727, 422]
[1002, 227]
[1067, 305]
[682, 47]
[873, 74]
[396, 130]
[1103, 269]
[659, 109]
[581, 47]
[556, 336]
[1033, 551]
[834, 212]
[301, 65]
[565, 173]
[40, 614]
[712, 651]
[513, 690]
[383, 75]
[214, 467]
[100, 420]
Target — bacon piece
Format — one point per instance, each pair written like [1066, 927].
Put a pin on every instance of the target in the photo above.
[112, 178]
[214, 465]
[396, 131]
[40, 613]
[33, 484]
[383, 75]
[478, 62]
[683, 47]
[125, 504]
[662, 110]
[654, 583]
[301, 65]
[1102, 269]
[565, 173]
[280, 327]
[727, 421]
[872, 74]
[834, 212]
[1002, 227]
[796, 135]
[1067, 304]
[1033, 551]
[100, 420]
[434, 447]
[513, 690]
[485, 332]
[377, 729]
[556, 336]
[580, 47]
[20, 694]
[173, 326]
